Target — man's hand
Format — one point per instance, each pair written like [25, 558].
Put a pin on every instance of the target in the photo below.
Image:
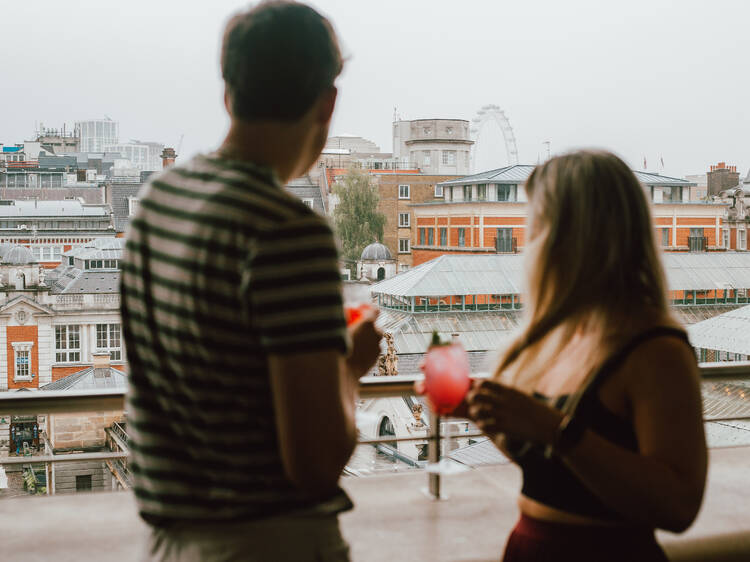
[365, 338]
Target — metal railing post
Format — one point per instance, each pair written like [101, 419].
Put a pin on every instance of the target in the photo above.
[434, 459]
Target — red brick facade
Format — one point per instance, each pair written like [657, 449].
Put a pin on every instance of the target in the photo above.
[480, 222]
[60, 372]
[421, 190]
[17, 334]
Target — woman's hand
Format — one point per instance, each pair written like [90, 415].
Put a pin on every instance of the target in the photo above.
[499, 409]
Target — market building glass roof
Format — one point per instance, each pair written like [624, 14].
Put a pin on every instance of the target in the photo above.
[502, 274]
[519, 173]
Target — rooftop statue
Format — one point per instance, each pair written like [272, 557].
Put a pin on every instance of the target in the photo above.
[388, 363]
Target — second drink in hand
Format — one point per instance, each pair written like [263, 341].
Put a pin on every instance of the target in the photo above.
[446, 375]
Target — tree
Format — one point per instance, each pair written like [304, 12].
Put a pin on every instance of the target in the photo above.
[356, 217]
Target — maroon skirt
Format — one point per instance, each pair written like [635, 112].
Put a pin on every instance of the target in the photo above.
[540, 541]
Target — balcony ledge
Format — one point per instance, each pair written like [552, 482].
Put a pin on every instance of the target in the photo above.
[393, 520]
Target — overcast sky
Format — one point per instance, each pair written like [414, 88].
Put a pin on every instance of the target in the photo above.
[655, 79]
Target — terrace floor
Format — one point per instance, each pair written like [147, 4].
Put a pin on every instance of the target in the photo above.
[393, 520]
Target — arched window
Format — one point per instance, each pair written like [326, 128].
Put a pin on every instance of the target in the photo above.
[386, 429]
[381, 273]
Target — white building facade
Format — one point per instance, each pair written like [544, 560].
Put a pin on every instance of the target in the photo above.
[98, 135]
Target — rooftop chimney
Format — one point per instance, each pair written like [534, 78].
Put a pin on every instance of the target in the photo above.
[168, 156]
[101, 364]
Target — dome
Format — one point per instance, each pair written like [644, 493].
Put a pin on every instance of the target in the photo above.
[4, 248]
[376, 252]
[19, 255]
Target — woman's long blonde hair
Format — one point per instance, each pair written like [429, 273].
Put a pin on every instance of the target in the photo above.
[592, 266]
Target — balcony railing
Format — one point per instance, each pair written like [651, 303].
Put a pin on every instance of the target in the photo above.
[697, 243]
[506, 245]
[405, 526]
[59, 402]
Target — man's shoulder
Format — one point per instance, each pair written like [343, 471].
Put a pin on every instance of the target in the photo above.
[235, 187]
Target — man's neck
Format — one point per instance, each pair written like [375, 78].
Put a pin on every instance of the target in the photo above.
[274, 145]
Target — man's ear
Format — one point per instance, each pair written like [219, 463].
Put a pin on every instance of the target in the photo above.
[227, 101]
[326, 103]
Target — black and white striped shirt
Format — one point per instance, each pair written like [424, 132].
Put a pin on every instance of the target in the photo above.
[222, 268]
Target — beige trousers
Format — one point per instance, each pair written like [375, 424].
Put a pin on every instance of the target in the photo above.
[297, 538]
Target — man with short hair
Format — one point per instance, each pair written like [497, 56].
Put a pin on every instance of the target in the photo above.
[243, 375]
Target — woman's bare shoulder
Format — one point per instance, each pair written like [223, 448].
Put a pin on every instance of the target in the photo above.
[664, 361]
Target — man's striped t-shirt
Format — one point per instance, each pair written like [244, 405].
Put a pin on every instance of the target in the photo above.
[222, 268]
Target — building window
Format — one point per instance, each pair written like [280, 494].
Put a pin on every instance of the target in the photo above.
[450, 194]
[132, 205]
[504, 241]
[697, 240]
[100, 264]
[725, 238]
[403, 192]
[742, 239]
[430, 236]
[403, 220]
[443, 236]
[309, 202]
[403, 245]
[22, 360]
[665, 237]
[449, 157]
[462, 237]
[671, 194]
[83, 483]
[67, 344]
[426, 158]
[47, 253]
[504, 192]
[421, 238]
[22, 365]
[482, 192]
[467, 192]
[439, 191]
[108, 339]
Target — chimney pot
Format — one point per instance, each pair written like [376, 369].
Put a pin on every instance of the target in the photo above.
[168, 156]
[101, 360]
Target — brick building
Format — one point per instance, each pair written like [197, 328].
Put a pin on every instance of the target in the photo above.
[52, 322]
[398, 192]
[53, 325]
[721, 177]
[486, 213]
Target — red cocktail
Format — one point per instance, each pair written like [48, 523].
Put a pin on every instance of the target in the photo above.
[446, 375]
[354, 313]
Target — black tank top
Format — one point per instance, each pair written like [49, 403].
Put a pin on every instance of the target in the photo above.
[548, 480]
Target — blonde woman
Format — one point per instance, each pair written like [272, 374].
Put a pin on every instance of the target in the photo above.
[597, 399]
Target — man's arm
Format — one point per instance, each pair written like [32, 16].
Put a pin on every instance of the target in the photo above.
[313, 401]
[314, 397]
[292, 291]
